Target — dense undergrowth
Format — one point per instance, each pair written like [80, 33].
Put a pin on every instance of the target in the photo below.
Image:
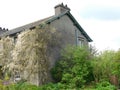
[77, 70]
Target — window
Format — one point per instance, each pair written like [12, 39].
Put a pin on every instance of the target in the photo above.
[80, 42]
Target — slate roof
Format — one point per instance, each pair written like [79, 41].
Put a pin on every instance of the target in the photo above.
[25, 27]
[47, 21]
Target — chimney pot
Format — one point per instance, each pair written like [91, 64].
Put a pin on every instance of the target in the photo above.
[61, 8]
[66, 5]
[62, 4]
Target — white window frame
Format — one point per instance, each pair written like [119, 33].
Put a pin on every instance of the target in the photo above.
[80, 41]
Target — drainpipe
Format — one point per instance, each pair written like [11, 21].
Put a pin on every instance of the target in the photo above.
[76, 37]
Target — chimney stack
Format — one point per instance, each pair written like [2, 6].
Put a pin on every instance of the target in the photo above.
[61, 8]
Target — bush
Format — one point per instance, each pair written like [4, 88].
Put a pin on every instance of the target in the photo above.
[73, 67]
[57, 72]
[51, 86]
[105, 85]
[108, 65]
[19, 86]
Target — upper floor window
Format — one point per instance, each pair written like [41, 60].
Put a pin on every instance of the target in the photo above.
[81, 41]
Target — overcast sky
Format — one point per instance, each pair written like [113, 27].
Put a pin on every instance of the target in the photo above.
[99, 18]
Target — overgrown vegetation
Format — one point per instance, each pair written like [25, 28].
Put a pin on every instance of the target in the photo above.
[77, 68]
[27, 56]
[99, 72]
[74, 68]
[108, 66]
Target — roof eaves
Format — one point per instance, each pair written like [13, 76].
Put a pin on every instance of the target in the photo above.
[12, 32]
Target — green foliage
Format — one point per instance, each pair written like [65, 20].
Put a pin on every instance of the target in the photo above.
[76, 67]
[117, 64]
[51, 86]
[73, 67]
[57, 72]
[105, 85]
[24, 86]
[106, 65]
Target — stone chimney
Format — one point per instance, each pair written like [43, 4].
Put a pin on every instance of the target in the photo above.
[61, 8]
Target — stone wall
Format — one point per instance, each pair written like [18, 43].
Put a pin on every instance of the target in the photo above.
[66, 30]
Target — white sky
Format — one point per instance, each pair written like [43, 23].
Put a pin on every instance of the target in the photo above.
[99, 18]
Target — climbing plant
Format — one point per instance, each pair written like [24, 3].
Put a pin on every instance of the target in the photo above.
[6, 47]
[26, 56]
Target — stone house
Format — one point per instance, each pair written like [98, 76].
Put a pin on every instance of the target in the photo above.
[64, 22]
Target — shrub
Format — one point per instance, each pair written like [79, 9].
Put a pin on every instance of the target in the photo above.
[105, 85]
[54, 86]
[106, 65]
[73, 67]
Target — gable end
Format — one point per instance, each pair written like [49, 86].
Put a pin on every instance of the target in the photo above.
[74, 22]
